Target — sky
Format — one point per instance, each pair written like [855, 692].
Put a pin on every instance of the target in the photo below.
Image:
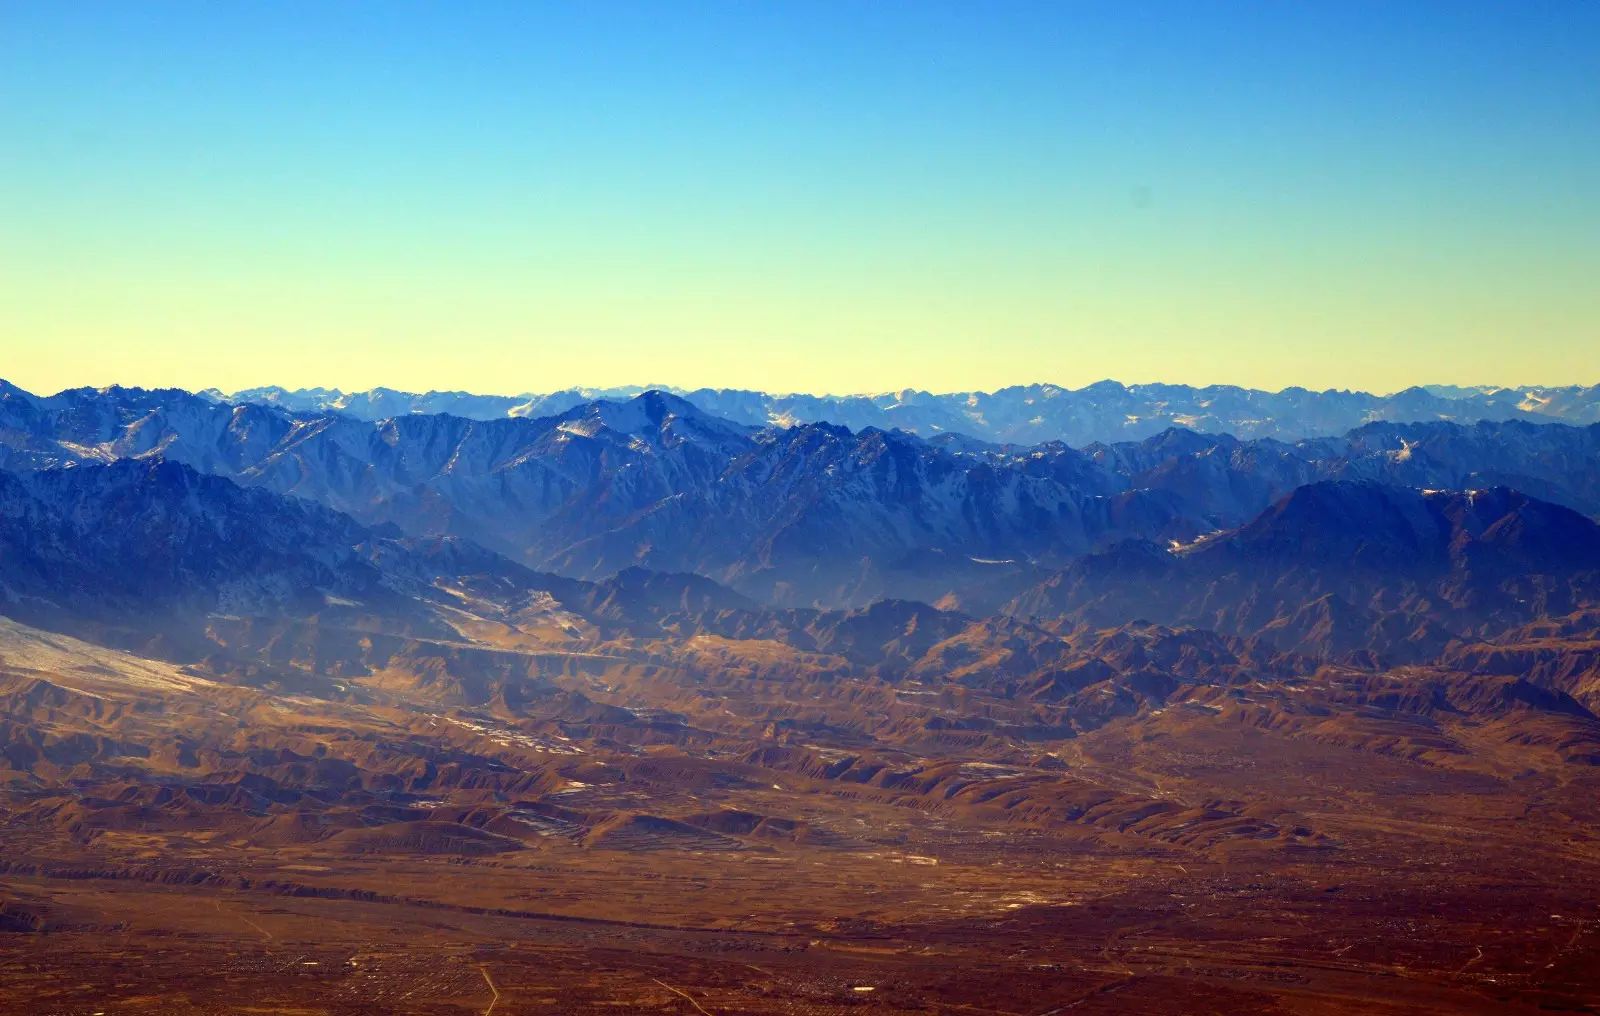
[819, 196]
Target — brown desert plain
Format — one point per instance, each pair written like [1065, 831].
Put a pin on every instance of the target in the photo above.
[549, 812]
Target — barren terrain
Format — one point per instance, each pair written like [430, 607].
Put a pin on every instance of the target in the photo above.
[619, 827]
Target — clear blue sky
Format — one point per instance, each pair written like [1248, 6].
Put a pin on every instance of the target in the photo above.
[819, 196]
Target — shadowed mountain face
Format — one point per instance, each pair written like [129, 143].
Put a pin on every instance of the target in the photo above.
[152, 533]
[1187, 722]
[149, 549]
[1026, 414]
[1340, 568]
[811, 513]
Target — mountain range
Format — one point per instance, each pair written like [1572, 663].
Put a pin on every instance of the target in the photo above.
[635, 704]
[807, 514]
[1389, 542]
[1106, 411]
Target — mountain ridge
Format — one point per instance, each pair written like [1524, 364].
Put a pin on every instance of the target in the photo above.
[813, 513]
[1343, 567]
[1029, 414]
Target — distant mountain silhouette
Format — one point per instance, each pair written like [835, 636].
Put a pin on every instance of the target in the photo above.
[1028, 414]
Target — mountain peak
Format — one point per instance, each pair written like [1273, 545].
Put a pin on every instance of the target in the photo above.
[656, 416]
[1341, 521]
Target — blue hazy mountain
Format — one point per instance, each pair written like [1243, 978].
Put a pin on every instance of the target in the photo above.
[1349, 569]
[1105, 411]
[814, 512]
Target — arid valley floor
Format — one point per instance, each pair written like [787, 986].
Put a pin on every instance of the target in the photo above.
[653, 841]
